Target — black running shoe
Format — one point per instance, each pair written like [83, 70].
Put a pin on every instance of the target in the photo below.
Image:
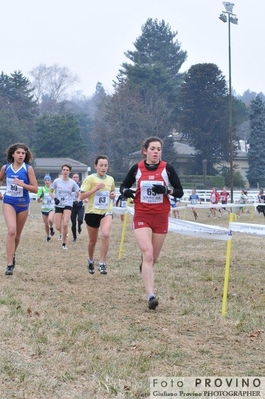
[52, 232]
[48, 238]
[9, 270]
[152, 303]
[90, 267]
[102, 268]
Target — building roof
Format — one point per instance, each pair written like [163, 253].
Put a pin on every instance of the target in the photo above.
[57, 162]
[52, 166]
[184, 149]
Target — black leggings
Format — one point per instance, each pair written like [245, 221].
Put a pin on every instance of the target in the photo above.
[77, 214]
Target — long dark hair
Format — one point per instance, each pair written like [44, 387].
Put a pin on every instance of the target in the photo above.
[13, 147]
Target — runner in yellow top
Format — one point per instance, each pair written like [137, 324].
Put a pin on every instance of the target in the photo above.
[99, 190]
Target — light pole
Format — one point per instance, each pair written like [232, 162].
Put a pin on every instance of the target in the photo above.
[228, 16]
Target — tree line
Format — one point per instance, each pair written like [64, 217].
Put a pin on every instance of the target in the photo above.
[150, 98]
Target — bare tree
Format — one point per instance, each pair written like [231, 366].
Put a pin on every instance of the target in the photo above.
[52, 82]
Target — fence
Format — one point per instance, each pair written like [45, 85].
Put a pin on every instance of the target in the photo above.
[203, 194]
[33, 196]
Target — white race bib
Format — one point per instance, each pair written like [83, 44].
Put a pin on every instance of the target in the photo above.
[147, 195]
[12, 189]
[101, 200]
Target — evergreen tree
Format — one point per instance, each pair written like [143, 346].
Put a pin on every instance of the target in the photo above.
[18, 106]
[203, 116]
[157, 46]
[169, 152]
[154, 65]
[123, 121]
[16, 93]
[145, 96]
[59, 136]
[9, 131]
[256, 160]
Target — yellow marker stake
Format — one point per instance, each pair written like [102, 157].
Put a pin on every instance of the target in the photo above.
[123, 230]
[252, 211]
[227, 267]
[185, 212]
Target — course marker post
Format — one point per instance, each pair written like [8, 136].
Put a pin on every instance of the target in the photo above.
[185, 212]
[124, 230]
[253, 211]
[232, 218]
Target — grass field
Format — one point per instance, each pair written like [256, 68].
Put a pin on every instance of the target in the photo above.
[67, 334]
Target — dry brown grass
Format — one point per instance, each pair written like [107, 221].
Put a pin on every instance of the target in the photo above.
[67, 334]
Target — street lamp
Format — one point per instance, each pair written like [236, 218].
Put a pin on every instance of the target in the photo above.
[228, 16]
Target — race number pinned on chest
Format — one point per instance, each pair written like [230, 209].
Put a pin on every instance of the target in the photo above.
[101, 199]
[12, 189]
[147, 195]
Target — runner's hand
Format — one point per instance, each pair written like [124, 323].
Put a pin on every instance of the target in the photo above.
[128, 193]
[160, 189]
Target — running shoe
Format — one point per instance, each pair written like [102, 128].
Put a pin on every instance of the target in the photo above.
[152, 303]
[52, 232]
[48, 238]
[64, 246]
[102, 268]
[60, 237]
[74, 239]
[9, 270]
[90, 267]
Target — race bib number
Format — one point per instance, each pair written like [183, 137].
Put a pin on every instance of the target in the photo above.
[12, 189]
[63, 197]
[47, 199]
[147, 195]
[101, 200]
[123, 204]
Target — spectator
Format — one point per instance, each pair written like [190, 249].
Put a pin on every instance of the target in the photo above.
[174, 202]
[194, 199]
[214, 198]
[224, 199]
[242, 200]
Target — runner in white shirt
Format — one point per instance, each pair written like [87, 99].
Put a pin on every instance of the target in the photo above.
[61, 191]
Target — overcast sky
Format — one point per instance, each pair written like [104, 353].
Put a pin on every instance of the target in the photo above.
[90, 37]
